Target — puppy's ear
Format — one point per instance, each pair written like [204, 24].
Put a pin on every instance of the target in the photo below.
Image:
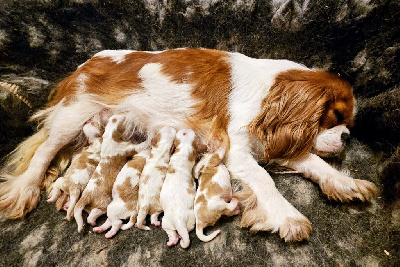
[290, 114]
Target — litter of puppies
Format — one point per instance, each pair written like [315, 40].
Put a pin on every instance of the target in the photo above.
[130, 179]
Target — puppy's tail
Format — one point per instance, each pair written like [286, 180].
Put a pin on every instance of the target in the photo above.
[205, 238]
[184, 234]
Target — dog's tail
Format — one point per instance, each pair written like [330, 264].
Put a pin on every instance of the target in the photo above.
[201, 236]
[184, 234]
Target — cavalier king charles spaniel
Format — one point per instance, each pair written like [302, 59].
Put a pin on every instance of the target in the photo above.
[272, 110]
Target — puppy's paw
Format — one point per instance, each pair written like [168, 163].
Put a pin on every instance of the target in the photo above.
[345, 189]
[98, 230]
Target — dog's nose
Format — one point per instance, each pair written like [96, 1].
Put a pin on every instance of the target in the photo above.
[345, 137]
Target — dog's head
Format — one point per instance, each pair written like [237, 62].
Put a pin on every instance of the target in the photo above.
[305, 110]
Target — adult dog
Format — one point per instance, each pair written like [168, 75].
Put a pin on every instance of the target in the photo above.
[271, 109]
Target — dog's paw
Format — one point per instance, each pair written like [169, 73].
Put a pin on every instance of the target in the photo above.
[295, 230]
[276, 215]
[345, 189]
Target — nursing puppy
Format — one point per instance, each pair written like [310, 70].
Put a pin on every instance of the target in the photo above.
[114, 152]
[214, 194]
[125, 196]
[82, 165]
[153, 176]
[178, 192]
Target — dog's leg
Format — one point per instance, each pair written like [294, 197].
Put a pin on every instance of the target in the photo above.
[334, 184]
[265, 208]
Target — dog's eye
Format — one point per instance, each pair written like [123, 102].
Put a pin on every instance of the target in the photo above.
[339, 116]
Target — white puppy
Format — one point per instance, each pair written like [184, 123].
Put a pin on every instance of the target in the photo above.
[178, 192]
[125, 196]
[114, 152]
[153, 176]
[82, 165]
[214, 192]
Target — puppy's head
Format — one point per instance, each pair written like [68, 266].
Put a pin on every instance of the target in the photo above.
[304, 111]
[94, 128]
[164, 137]
[115, 128]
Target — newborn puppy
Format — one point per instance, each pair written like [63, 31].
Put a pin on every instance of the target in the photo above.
[114, 152]
[82, 165]
[178, 192]
[214, 189]
[125, 196]
[153, 176]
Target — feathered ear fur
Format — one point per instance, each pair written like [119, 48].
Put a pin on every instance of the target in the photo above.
[290, 114]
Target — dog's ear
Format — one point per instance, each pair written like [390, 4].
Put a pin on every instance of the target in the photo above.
[288, 122]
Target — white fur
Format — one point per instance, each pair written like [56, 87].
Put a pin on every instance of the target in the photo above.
[329, 141]
[117, 56]
[152, 178]
[176, 201]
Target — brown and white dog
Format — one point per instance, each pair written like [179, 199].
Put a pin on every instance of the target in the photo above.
[271, 110]
[125, 196]
[113, 156]
[214, 193]
[82, 165]
[178, 191]
[152, 178]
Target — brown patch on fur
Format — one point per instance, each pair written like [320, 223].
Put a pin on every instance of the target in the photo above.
[127, 192]
[162, 169]
[171, 169]
[118, 134]
[296, 107]
[103, 77]
[155, 140]
[100, 197]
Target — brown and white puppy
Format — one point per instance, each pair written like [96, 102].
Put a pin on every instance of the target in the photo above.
[178, 192]
[114, 152]
[125, 196]
[82, 165]
[214, 194]
[153, 175]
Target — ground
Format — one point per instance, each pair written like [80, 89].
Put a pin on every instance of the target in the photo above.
[42, 41]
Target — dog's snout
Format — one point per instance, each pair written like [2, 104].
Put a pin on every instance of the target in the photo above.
[345, 137]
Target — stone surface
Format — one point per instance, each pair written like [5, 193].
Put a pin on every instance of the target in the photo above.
[41, 41]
